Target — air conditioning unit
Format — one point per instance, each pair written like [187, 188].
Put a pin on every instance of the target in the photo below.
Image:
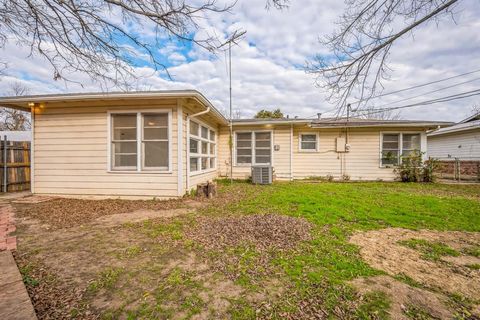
[262, 174]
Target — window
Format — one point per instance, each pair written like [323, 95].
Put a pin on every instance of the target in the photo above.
[308, 142]
[202, 148]
[124, 141]
[398, 145]
[253, 147]
[140, 138]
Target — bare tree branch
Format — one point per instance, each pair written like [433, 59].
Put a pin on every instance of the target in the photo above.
[12, 119]
[361, 46]
[104, 38]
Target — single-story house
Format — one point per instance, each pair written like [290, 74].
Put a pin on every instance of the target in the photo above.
[457, 148]
[461, 140]
[162, 144]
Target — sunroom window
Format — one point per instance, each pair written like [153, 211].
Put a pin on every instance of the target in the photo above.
[202, 148]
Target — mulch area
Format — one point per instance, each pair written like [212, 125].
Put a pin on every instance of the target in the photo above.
[64, 213]
[264, 232]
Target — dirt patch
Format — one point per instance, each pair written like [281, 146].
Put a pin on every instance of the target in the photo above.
[263, 232]
[138, 216]
[64, 213]
[404, 296]
[381, 249]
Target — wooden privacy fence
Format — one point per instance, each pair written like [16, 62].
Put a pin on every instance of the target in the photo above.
[14, 165]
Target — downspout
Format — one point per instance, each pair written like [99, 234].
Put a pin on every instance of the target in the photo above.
[189, 117]
[32, 148]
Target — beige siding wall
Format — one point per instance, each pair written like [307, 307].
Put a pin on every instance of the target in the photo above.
[464, 145]
[361, 163]
[71, 157]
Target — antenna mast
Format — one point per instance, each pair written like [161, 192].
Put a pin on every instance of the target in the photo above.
[231, 112]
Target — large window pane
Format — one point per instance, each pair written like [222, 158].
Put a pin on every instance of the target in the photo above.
[156, 154]
[124, 120]
[244, 136]
[309, 137]
[390, 149]
[262, 159]
[205, 163]
[212, 149]
[193, 164]
[212, 135]
[204, 132]
[125, 147]
[309, 146]
[124, 141]
[155, 134]
[204, 147]
[411, 142]
[212, 162]
[244, 159]
[193, 146]
[124, 127]
[155, 120]
[194, 128]
[125, 161]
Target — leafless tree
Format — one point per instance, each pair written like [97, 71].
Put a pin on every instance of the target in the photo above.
[236, 113]
[102, 38]
[12, 119]
[361, 45]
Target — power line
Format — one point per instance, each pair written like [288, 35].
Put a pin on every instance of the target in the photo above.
[429, 92]
[416, 86]
[427, 102]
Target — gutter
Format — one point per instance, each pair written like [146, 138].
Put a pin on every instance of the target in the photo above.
[189, 117]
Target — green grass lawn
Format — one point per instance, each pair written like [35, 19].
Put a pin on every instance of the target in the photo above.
[339, 209]
[146, 272]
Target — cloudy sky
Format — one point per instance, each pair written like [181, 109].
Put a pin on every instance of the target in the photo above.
[268, 64]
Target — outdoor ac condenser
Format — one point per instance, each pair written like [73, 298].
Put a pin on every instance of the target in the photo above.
[262, 174]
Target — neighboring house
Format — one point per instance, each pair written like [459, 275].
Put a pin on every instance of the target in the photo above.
[461, 140]
[162, 144]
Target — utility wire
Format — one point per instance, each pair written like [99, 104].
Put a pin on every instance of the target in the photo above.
[427, 102]
[429, 92]
[416, 86]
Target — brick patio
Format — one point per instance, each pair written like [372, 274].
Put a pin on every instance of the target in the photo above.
[7, 226]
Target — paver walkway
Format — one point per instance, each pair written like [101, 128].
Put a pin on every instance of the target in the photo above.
[14, 300]
[7, 226]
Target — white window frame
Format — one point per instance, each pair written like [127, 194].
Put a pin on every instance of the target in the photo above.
[200, 155]
[253, 163]
[300, 134]
[140, 149]
[400, 145]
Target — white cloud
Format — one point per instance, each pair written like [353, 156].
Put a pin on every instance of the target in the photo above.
[267, 64]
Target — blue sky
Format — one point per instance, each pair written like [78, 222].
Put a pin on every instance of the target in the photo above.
[268, 63]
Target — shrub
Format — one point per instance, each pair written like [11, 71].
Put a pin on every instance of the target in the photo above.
[412, 168]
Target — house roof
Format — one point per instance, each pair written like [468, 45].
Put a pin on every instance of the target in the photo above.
[359, 122]
[342, 122]
[473, 117]
[22, 102]
[256, 121]
[461, 126]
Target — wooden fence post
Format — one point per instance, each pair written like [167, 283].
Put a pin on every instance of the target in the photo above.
[5, 168]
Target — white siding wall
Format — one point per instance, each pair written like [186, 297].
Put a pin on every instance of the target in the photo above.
[361, 163]
[464, 145]
[71, 157]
